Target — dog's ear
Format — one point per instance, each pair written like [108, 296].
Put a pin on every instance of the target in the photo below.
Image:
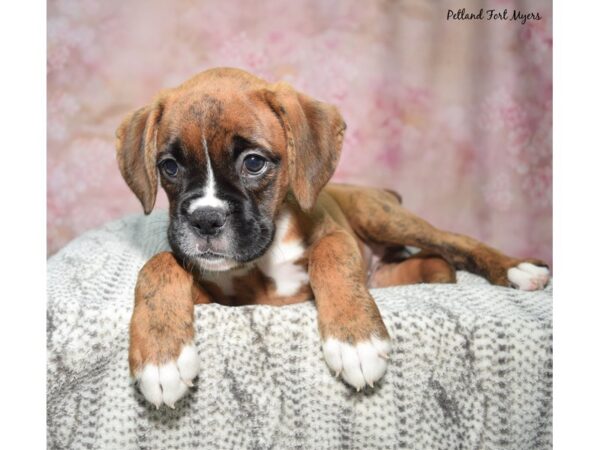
[136, 153]
[314, 133]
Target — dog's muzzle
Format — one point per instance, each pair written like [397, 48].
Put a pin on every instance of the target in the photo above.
[208, 221]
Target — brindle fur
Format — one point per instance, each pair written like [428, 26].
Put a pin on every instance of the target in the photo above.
[338, 224]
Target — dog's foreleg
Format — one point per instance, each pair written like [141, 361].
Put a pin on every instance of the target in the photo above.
[162, 354]
[354, 338]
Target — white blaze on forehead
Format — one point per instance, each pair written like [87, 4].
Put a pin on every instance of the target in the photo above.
[209, 197]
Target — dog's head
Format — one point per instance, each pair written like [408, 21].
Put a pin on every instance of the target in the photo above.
[228, 149]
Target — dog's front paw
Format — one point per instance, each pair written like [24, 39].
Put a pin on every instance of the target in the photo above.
[360, 364]
[529, 277]
[167, 382]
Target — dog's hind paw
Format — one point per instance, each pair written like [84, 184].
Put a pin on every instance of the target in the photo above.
[359, 365]
[529, 277]
[167, 383]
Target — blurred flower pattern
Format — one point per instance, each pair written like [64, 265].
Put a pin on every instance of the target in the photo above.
[456, 115]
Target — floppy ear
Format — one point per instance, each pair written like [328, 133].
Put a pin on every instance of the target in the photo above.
[314, 133]
[136, 153]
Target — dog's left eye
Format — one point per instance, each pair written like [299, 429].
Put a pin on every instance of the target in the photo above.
[254, 164]
[170, 167]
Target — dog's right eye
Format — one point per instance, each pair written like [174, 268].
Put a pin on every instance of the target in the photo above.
[169, 167]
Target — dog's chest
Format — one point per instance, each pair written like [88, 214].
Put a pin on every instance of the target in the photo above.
[285, 267]
[280, 276]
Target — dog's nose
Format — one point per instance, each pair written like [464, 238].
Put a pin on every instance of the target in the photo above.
[208, 221]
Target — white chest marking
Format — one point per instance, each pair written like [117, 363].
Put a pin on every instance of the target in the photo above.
[209, 197]
[279, 261]
[224, 279]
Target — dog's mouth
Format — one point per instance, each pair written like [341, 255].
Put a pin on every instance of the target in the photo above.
[215, 263]
[211, 256]
[211, 249]
[227, 250]
[213, 260]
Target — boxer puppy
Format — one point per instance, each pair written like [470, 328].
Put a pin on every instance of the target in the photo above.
[245, 165]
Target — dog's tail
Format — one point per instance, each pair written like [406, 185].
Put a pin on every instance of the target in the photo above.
[395, 194]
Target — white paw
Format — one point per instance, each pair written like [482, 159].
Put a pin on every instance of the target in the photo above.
[360, 364]
[529, 277]
[168, 382]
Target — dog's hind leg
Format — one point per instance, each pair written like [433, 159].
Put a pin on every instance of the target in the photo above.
[420, 268]
[378, 218]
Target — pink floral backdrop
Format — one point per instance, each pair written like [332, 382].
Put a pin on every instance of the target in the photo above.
[454, 115]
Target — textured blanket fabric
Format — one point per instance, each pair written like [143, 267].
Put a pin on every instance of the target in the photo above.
[471, 365]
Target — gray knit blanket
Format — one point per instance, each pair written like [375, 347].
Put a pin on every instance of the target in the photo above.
[470, 368]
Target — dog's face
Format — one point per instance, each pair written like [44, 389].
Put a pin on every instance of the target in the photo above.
[228, 148]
